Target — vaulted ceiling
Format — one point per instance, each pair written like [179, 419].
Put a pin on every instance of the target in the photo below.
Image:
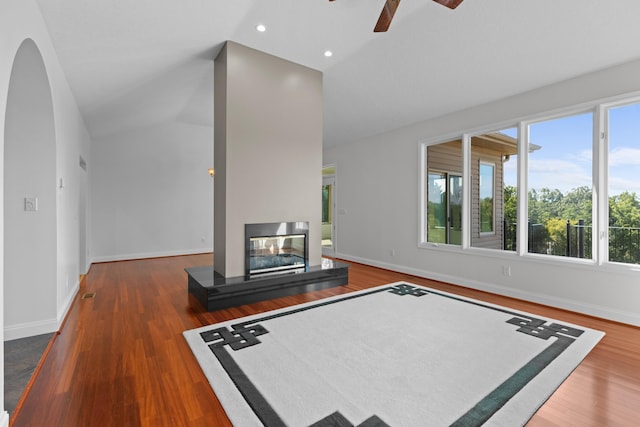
[136, 63]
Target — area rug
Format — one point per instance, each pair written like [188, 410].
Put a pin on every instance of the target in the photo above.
[394, 355]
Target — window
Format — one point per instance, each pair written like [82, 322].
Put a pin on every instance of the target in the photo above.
[327, 202]
[445, 208]
[486, 197]
[581, 176]
[493, 192]
[623, 184]
[443, 193]
[560, 186]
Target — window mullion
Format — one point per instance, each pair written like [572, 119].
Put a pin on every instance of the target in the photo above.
[523, 197]
[466, 191]
[601, 193]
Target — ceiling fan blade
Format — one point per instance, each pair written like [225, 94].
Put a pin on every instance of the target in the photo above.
[451, 4]
[386, 16]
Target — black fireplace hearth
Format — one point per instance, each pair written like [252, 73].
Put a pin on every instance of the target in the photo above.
[211, 291]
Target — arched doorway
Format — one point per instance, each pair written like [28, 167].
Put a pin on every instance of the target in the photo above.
[30, 262]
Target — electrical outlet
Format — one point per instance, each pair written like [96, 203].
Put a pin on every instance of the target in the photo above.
[30, 204]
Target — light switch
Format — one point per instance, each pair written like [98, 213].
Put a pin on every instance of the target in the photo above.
[30, 204]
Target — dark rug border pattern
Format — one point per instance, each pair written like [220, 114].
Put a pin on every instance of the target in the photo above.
[242, 335]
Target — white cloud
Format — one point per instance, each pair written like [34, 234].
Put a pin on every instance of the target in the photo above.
[585, 155]
[555, 166]
[558, 174]
[566, 175]
[552, 173]
[624, 156]
[619, 185]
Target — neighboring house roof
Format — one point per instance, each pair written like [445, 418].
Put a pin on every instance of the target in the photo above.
[500, 142]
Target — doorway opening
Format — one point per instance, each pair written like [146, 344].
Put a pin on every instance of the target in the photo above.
[328, 211]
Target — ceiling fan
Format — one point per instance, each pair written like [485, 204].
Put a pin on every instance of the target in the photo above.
[390, 7]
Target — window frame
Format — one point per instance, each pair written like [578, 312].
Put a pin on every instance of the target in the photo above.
[603, 148]
[600, 171]
[493, 198]
[423, 186]
[447, 176]
[595, 199]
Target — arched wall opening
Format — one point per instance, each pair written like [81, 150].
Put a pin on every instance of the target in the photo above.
[30, 261]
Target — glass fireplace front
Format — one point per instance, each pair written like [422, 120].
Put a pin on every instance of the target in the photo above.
[275, 247]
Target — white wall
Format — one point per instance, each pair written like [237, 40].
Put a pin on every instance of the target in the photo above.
[19, 20]
[152, 193]
[378, 209]
[30, 241]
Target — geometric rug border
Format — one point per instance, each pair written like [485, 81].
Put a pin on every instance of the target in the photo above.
[482, 412]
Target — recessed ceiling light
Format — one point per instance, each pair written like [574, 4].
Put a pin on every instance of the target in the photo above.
[261, 28]
[328, 53]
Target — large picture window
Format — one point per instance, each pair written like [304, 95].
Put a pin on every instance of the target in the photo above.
[623, 184]
[560, 186]
[493, 192]
[443, 198]
[542, 187]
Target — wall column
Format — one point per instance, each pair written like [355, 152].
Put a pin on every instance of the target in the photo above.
[267, 150]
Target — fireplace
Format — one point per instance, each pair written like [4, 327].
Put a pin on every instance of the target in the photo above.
[276, 265]
[276, 247]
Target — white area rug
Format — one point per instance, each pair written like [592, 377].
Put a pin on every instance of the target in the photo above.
[395, 355]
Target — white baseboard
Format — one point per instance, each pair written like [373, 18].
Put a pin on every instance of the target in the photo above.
[565, 304]
[30, 329]
[143, 255]
[47, 326]
[4, 420]
[66, 306]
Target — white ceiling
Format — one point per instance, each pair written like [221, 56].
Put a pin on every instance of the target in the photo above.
[135, 63]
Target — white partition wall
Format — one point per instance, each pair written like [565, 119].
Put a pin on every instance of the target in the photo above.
[267, 151]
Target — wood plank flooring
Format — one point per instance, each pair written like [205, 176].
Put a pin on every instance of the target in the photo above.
[121, 360]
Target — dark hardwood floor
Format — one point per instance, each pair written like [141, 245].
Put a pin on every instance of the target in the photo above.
[121, 360]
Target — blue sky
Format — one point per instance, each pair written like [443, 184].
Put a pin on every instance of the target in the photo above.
[624, 149]
[564, 160]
